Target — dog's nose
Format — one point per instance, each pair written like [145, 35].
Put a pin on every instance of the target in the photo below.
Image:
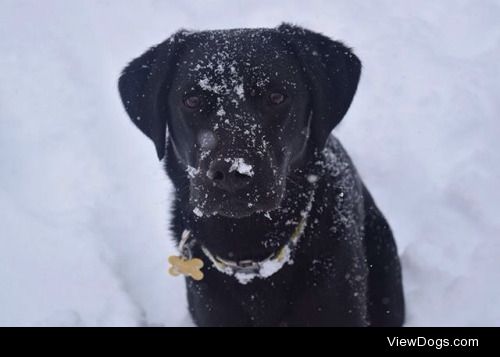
[230, 174]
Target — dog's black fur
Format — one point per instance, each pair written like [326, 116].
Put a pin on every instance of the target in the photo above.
[269, 97]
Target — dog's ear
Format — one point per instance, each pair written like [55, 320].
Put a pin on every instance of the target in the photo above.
[143, 85]
[332, 71]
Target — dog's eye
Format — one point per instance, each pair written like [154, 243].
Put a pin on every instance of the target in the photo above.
[276, 98]
[192, 102]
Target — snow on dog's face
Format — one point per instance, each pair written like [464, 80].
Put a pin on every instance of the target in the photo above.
[238, 104]
[243, 108]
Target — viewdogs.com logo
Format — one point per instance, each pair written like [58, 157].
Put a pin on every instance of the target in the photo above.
[437, 343]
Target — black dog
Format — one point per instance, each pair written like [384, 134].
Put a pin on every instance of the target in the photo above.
[265, 196]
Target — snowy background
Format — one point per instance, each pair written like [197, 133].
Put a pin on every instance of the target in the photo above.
[83, 201]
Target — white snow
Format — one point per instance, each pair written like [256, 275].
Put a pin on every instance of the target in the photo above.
[312, 178]
[244, 278]
[239, 165]
[240, 91]
[214, 88]
[192, 172]
[271, 267]
[198, 212]
[221, 112]
[267, 268]
[84, 203]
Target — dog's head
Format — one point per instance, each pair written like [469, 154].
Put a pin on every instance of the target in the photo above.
[243, 108]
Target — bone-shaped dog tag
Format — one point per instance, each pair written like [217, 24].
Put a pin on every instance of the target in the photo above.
[188, 267]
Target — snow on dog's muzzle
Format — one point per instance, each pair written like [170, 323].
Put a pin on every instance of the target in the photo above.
[230, 174]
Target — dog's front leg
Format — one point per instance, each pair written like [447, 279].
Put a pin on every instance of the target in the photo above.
[213, 306]
[333, 292]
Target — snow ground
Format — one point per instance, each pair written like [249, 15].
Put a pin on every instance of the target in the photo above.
[83, 202]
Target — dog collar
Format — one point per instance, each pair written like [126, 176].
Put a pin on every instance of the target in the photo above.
[244, 270]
